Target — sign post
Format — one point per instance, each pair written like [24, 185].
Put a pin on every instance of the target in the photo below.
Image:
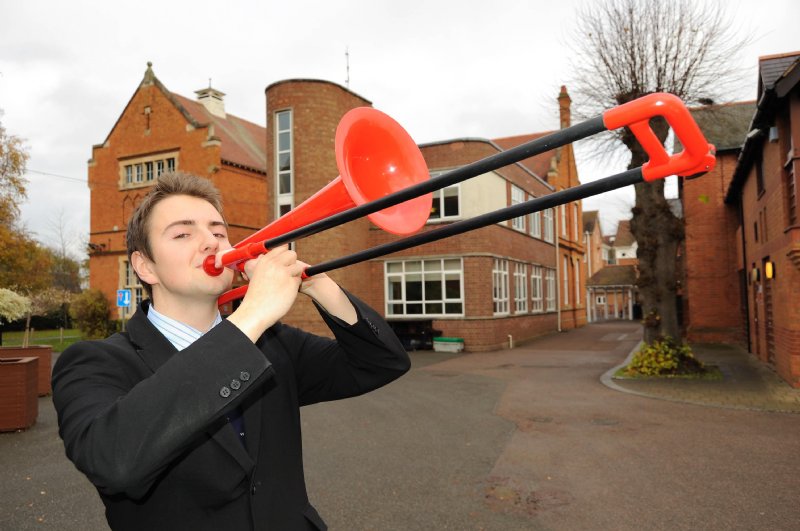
[123, 301]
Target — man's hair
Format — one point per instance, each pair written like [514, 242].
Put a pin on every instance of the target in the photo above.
[167, 185]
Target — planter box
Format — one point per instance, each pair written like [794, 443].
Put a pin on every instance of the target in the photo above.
[19, 404]
[448, 344]
[45, 355]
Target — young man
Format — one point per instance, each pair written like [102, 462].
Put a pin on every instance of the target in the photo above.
[190, 421]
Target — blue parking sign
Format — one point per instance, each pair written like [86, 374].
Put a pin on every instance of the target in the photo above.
[123, 298]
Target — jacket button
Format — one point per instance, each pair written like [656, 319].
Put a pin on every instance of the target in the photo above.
[235, 384]
[224, 392]
[244, 376]
[253, 490]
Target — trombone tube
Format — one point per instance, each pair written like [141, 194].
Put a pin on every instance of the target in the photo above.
[569, 195]
[529, 149]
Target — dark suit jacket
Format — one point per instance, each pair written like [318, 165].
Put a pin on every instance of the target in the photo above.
[146, 423]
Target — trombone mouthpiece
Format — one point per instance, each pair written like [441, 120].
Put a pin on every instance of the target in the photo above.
[210, 268]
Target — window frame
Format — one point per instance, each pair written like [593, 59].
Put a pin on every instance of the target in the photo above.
[390, 302]
[500, 295]
[520, 288]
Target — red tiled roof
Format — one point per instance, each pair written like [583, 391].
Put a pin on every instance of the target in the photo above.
[624, 235]
[539, 164]
[243, 142]
[614, 275]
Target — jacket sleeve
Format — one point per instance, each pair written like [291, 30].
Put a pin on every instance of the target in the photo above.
[123, 423]
[362, 357]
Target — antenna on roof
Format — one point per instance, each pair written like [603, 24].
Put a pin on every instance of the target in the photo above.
[209, 82]
[347, 60]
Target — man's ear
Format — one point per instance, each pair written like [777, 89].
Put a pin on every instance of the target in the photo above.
[143, 268]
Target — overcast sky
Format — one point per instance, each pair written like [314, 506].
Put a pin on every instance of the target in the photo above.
[443, 69]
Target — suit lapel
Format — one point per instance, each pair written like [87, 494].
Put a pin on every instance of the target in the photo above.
[154, 350]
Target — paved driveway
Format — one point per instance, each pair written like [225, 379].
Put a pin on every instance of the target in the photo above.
[527, 439]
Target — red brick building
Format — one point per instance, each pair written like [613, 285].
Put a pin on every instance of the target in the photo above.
[742, 278]
[510, 281]
[765, 191]
[160, 131]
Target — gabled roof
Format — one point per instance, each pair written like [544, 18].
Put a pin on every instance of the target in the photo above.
[591, 218]
[538, 164]
[614, 275]
[724, 125]
[778, 74]
[773, 67]
[624, 235]
[243, 142]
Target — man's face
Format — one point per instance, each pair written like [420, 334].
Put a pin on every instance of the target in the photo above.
[183, 231]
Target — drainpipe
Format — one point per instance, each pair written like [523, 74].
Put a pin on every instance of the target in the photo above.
[558, 269]
[746, 295]
[589, 271]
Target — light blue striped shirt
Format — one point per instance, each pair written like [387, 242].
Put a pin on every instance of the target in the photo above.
[179, 334]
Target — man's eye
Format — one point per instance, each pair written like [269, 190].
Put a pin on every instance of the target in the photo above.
[220, 235]
[182, 235]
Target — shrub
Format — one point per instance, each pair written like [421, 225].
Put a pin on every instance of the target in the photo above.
[664, 357]
[89, 310]
[13, 306]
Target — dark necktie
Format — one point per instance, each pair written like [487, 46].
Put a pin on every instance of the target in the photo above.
[237, 421]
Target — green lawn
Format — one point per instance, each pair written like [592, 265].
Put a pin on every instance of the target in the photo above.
[44, 337]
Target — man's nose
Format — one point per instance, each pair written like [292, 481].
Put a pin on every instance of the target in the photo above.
[210, 242]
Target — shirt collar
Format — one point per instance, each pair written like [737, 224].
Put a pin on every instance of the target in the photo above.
[179, 334]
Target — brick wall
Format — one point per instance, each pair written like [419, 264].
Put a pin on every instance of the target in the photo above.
[711, 284]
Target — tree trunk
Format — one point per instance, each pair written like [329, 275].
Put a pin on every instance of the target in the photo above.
[658, 233]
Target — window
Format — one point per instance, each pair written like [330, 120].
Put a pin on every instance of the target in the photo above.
[500, 286]
[131, 282]
[575, 222]
[566, 281]
[446, 202]
[536, 224]
[536, 289]
[548, 225]
[550, 283]
[144, 171]
[425, 287]
[601, 299]
[283, 160]
[517, 197]
[577, 269]
[564, 220]
[520, 288]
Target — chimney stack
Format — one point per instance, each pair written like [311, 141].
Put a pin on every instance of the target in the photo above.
[564, 102]
[213, 100]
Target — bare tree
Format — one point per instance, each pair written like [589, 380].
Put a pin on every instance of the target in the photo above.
[625, 49]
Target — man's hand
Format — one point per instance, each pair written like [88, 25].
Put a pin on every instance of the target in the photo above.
[274, 283]
[329, 295]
